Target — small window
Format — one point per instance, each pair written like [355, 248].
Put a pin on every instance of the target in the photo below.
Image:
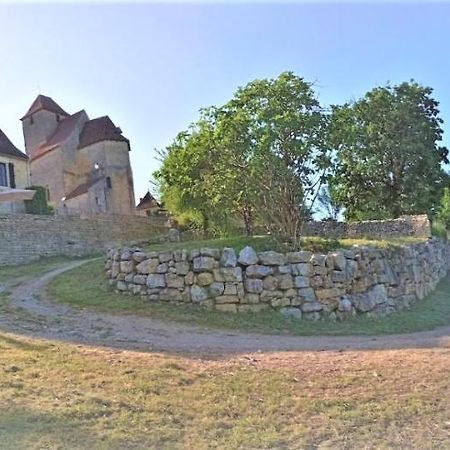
[31, 120]
[12, 175]
[58, 118]
[96, 201]
[108, 182]
[3, 176]
[48, 194]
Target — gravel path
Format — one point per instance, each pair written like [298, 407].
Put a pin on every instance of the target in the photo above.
[31, 314]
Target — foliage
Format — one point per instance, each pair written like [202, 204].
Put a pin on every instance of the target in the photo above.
[444, 209]
[388, 158]
[38, 205]
[261, 156]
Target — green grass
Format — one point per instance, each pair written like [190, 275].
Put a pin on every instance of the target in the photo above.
[85, 287]
[11, 273]
[263, 243]
[58, 396]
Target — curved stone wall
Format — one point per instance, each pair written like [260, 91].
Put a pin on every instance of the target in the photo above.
[362, 280]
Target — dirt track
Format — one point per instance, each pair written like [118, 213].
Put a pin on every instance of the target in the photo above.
[31, 314]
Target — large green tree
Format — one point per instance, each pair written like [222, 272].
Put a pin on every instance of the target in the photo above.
[388, 153]
[261, 156]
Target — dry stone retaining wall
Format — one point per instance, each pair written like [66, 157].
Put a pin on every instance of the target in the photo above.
[377, 229]
[362, 280]
[26, 237]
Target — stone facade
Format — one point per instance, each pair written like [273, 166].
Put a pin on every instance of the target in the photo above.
[83, 163]
[363, 280]
[25, 237]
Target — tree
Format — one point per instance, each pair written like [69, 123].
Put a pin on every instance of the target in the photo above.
[272, 136]
[444, 209]
[388, 157]
[261, 156]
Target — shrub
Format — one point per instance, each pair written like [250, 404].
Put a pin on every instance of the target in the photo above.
[38, 205]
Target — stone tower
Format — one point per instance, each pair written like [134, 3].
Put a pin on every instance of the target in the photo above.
[84, 164]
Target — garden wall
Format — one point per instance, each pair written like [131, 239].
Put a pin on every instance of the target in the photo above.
[26, 237]
[418, 226]
[362, 280]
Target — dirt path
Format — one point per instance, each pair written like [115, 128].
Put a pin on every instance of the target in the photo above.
[31, 314]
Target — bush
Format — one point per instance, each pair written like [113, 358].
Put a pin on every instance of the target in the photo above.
[38, 205]
[443, 214]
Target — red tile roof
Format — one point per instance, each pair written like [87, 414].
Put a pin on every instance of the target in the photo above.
[63, 131]
[101, 129]
[47, 103]
[8, 148]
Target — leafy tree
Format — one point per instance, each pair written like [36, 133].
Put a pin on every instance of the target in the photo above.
[388, 157]
[444, 210]
[261, 156]
[38, 204]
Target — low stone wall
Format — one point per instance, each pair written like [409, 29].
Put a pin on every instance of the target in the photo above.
[362, 280]
[26, 237]
[418, 226]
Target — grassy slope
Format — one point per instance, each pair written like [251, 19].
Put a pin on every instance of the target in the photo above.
[86, 287]
[57, 396]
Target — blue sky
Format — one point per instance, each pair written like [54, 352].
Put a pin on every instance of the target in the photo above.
[151, 66]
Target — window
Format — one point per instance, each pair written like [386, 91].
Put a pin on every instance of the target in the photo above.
[3, 176]
[31, 120]
[58, 118]
[12, 175]
[108, 182]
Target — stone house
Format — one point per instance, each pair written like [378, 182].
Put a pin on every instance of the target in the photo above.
[149, 206]
[14, 177]
[83, 163]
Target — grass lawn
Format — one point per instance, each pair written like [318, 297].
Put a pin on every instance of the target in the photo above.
[58, 396]
[85, 287]
[11, 273]
[263, 243]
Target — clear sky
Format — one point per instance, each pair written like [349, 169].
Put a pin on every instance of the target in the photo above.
[151, 66]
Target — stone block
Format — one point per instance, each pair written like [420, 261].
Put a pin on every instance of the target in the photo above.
[298, 257]
[156, 281]
[247, 256]
[270, 283]
[182, 267]
[253, 286]
[165, 257]
[174, 281]
[216, 289]
[139, 256]
[258, 271]
[228, 257]
[126, 266]
[323, 294]
[199, 294]
[271, 258]
[307, 294]
[301, 282]
[140, 279]
[205, 279]
[303, 269]
[230, 289]
[147, 266]
[203, 264]
[285, 282]
[162, 268]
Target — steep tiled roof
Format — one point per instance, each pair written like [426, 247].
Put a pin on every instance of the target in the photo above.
[148, 202]
[8, 148]
[64, 129]
[101, 129]
[47, 103]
